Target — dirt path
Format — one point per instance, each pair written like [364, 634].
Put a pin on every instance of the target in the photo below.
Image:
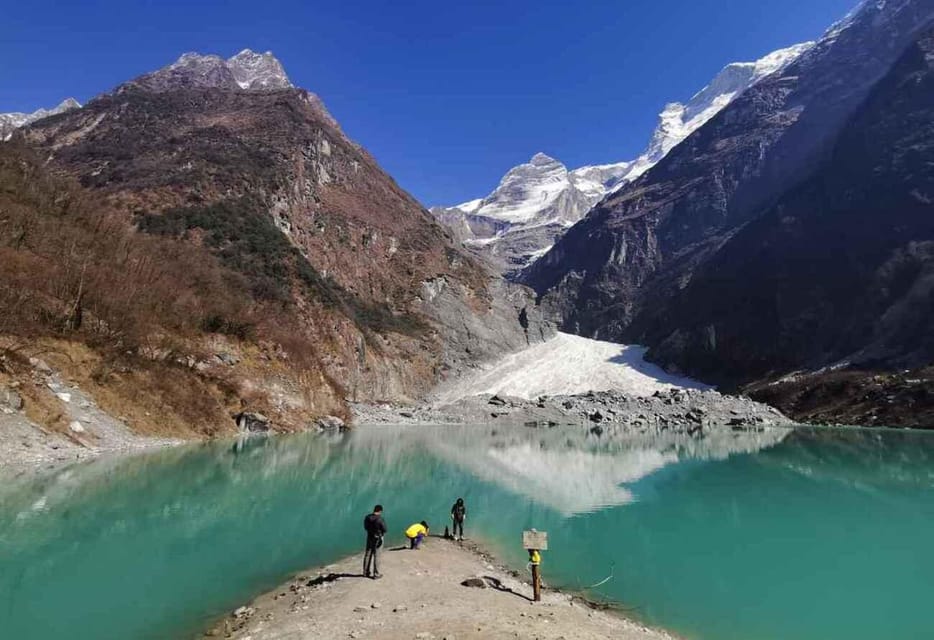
[421, 597]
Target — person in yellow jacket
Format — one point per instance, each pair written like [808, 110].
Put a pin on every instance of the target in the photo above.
[416, 533]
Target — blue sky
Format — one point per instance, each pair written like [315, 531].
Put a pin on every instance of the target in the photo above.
[446, 95]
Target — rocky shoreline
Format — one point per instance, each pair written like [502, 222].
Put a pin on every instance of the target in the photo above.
[26, 448]
[677, 410]
[87, 430]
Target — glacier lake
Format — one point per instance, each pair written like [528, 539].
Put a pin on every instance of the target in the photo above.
[767, 534]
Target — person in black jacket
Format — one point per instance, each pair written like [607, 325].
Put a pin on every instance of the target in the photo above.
[458, 515]
[375, 530]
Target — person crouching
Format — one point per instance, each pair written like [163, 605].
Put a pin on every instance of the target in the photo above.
[416, 533]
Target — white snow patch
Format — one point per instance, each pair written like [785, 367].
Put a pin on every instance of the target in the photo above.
[470, 207]
[480, 242]
[565, 365]
[535, 255]
[526, 190]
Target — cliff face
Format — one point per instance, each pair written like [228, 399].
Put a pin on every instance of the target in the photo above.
[840, 270]
[260, 177]
[622, 272]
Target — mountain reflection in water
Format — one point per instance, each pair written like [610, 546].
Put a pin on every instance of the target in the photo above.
[718, 536]
[569, 470]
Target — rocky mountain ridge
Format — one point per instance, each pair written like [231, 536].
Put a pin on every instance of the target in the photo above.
[861, 286]
[247, 71]
[335, 266]
[536, 202]
[12, 121]
[756, 219]
[533, 205]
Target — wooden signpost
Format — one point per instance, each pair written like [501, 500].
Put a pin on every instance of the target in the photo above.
[534, 542]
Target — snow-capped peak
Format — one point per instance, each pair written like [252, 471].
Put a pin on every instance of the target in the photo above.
[66, 105]
[542, 159]
[595, 181]
[470, 206]
[778, 60]
[529, 189]
[526, 190]
[677, 121]
[537, 200]
[542, 190]
[11, 121]
[258, 70]
[246, 70]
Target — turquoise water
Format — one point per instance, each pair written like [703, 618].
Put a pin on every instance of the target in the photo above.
[764, 535]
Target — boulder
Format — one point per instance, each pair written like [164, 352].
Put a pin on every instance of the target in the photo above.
[478, 583]
[227, 358]
[10, 399]
[497, 401]
[330, 423]
[40, 365]
[252, 422]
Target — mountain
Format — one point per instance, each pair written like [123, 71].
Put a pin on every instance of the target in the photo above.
[533, 205]
[540, 191]
[12, 121]
[859, 291]
[732, 260]
[536, 202]
[677, 121]
[334, 264]
[247, 70]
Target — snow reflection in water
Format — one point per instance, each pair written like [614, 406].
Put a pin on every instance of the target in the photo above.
[716, 537]
[568, 469]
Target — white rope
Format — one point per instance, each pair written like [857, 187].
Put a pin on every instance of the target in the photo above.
[606, 579]
[601, 583]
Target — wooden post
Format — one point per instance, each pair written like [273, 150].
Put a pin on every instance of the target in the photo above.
[535, 542]
[536, 583]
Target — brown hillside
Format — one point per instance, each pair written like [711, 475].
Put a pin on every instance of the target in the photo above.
[310, 237]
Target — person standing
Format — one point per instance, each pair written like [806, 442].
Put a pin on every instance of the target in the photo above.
[458, 515]
[375, 529]
[416, 533]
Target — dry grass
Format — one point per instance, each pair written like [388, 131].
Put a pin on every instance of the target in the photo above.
[125, 315]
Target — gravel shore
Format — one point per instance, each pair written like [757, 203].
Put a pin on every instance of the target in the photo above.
[27, 448]
[422, 596]
[687, 410]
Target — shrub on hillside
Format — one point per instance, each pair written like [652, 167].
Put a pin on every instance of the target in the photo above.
[246, 240]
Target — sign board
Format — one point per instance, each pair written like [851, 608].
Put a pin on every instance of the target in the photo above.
[535, 540]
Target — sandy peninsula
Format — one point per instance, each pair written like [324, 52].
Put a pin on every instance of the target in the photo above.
[422, 597]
